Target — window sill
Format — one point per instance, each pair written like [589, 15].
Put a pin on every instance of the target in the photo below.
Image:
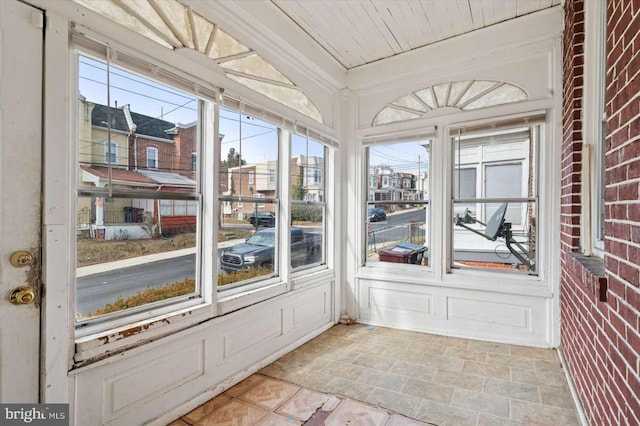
[94, 346]
[467, 280]
[311, 276]
[590, 273]
[234, 302]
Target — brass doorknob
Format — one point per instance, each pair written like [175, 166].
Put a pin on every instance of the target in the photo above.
[21, 259]
[22, 295]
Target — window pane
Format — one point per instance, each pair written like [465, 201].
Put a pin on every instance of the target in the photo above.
[248, 243]
[483, 232]
[398, 234]
[307, 169]
[122, 262]
[248, 151]
[502, 244]
[134, 250]
[307, 235]
[397, 226]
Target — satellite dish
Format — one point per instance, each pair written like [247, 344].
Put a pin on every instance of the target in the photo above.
[494, 226]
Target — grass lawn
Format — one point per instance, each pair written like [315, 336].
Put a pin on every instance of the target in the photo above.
[91, 251]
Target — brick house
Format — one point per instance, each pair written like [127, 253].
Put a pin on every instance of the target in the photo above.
[600, 300]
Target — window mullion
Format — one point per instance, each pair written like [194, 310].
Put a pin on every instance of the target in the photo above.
[208, 181]
[284, 191]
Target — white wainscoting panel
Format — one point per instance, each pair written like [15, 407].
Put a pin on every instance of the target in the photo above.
[252, 333]
[175, 374]
[399, 306]
[474, 314]
[493, 314]
[135, 386]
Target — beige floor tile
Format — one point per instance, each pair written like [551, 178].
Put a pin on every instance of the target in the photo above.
[383, 331]
[308, 361]
[309, 379]
[348, 388]
[397, 420]
[445, 415]
[394, 341]
[274, 419]
[355, 413]
[527, 412]
[338, 354]
[511, 361]
[459, 380]
[429, 347]
[442, 362]
[512, 390]
[343, 369]
[245, 385]
[369, 346]
[409, 355]
[481, 402]
[528, 352]
[335, 341]
[234, 413]
[383, 379]
[429, 390]
[415, 336]
[303, 404]
[206, 408]
[313, 348]
[487, 370]
[487, 420]
[538, 378]
[394, 401]
[270, 393]
[371, 361]
[558, 396]
[278, 369]
[466, 354]
[551, 366]
[416, 371]
[451, 341]
[498, 348]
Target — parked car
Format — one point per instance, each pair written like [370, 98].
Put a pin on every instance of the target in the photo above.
[263, 219]
[258, 250]
[377, 214]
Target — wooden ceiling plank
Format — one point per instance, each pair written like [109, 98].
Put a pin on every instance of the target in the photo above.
[489, 12]
[367, 32]
[477, 14]
[358, 44]
[524, 7]
[381, 27]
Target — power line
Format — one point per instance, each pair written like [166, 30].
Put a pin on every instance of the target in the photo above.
[171, 91]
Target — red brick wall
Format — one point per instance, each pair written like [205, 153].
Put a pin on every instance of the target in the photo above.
[166, 153]
[185, 145]
[600, 329]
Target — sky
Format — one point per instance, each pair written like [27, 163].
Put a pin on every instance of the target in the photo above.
[144, 96]
[259, 139]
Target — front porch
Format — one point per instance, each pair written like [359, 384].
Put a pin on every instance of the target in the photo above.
[353, 373]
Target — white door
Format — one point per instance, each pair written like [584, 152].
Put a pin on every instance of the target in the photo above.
[21, 42]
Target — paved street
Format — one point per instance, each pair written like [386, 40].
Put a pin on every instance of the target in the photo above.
[395, 228]
[96, 290]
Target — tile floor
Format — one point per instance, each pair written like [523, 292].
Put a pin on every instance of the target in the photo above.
[363, 375]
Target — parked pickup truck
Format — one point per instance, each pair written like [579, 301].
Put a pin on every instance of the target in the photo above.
[258, 250]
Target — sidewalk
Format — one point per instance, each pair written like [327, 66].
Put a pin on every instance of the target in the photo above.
[84, 271]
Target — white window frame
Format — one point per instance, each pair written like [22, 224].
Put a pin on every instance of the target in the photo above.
[273, 175]
[201, 306]
[592, 207]
[194, 161]
[114, 152]
[154, 151]
[252, 178]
